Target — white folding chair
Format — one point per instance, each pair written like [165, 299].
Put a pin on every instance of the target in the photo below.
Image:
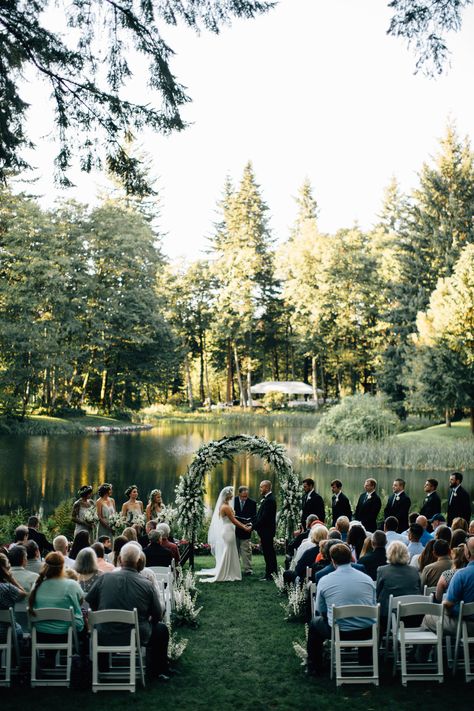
[406, 636]
[60, 675]
[8, 645]
[466, 611]
[312, 598]
[429, 590]
[391, 632]
[118, 677]
[166, 576]
[21, 616]
[355, 673]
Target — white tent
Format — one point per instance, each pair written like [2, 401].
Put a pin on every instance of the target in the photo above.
[289, 387]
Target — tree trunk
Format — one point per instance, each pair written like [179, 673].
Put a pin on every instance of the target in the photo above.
[229, 398]
[103, 387]
[447, 417]
[208, 387]
[305, 369]
[84, 387]
[249, 385]
[471, 412]
[323, 383]
[189, 384]
[239, 378]
[201, 368]
[314, 370]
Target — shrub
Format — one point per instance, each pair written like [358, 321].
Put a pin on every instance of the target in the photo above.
[122, 414]
[60, 521]
[66, 411]
[8, 523]
[359, 417]
[274, 400]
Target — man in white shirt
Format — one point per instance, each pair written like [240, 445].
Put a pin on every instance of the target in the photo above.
[390, 528]
[61, 546]
[26, 578]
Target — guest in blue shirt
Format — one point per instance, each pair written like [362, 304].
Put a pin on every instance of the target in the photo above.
[344, 586]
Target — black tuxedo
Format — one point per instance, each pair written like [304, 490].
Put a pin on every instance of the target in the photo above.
[399, 508]
[341, 507]
[431, 505]
[367, 510]
[43, 544]
[459, 505]
[312, 504]
[265, 525]
[244, 514]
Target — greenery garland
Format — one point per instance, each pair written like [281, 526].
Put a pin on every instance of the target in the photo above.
[190, 490]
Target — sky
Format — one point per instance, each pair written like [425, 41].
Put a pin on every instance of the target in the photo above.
[313, 89]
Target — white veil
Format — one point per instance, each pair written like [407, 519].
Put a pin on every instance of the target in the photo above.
[214, 536]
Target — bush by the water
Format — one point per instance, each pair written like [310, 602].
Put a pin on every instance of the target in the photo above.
[357, 418]
[274, 400]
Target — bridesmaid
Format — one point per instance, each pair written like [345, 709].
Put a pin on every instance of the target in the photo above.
[79, 508]
[105, 508]
[133, 505]
[155, 504]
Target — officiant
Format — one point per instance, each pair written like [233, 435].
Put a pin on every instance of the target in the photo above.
[245, 512]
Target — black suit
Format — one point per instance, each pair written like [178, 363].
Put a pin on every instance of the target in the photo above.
[431, 505]
[43, 544]
[312, 504]
[371, 561]
[367, 510]
[157, 556]
[265, 525]
[400, 508]
[459, 505]
[341, 507]
[244, 514]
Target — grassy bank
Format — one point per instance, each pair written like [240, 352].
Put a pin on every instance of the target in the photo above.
[435, 448]
[241, 656]
[234, 416]
[44, 425]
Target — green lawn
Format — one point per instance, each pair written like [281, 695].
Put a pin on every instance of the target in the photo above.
[241, 657]
[440, 432]
[45, 425]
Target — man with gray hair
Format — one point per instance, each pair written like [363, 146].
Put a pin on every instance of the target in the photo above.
[60, 545]
[125, 590]
[245, 512]
[165, 531]
[156, 555]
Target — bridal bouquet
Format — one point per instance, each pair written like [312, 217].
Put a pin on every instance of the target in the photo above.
[91, 517]
[117, 522]
[167, 515]
[138, 519]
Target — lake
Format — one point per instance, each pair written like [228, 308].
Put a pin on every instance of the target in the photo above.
[39, 472]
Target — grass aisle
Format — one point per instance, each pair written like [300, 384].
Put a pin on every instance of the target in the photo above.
[241, 657]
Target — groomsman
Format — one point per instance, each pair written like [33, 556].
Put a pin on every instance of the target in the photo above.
[245, 512]
[459, 501]
[312, 503]
[398, 505]
[265, 525]
[431, 502]
[340, 504]
[368, 506]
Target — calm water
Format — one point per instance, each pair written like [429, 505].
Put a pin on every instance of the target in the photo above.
[38, 472]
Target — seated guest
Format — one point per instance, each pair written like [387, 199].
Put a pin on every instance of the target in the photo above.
[321, 535]
[323, 559]
[302, 536]
[414, 544]
[34, 534]
[329, 568]
[355, 539]
[144, 540]
[427, 536]
[81, 540]
[102, 564]
[458, 561]
[342, 525]
[125, 590]
[335, 535]
[86, 568]
[11, 592]
[390, 527]
[436, 521]
[471, 528]
[425, 557]
[411, 519]
[60, 545]
[119, 543]
[377, 557]
[459, 524]
[54, 589]
[443, 533]
[130, 534]
[318, 533]
[33, 557]
[26, 578]
[20, 536]
[107, 543]
[461, 588]
[432, 572]
[459, 536]
[396, 578]
[165, 531]
[367, 547]
[345, 586]
[157, 555]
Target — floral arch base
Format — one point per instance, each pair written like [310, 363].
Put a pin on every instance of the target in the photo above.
[190, 490]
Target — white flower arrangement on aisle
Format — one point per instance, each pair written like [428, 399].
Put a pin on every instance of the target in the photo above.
[185, 611]
[91, 517]
[295, 606]
[301, 647]
[176, 645]
[188, 582]
[281, 585]
[190, 489]
[117, 522]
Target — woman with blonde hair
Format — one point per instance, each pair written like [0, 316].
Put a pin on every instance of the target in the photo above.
[154, 506]
[396, 578]
[130, 534]
[458, 556]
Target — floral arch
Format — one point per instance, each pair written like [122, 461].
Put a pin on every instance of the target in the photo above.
[190, 489]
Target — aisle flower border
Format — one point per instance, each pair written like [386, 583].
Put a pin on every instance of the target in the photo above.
[190, 489]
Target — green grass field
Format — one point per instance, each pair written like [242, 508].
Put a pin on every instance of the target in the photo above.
[439, 433]
[241, 657]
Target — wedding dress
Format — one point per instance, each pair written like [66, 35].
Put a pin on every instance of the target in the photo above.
[223, 546]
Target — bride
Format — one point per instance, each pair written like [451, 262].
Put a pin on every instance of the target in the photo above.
[221, 538]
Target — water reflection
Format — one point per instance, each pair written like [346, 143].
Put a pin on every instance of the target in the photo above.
[38, 472]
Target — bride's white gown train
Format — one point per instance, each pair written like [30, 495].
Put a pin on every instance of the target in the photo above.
[227, 558]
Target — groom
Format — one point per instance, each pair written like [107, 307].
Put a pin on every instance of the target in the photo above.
[245, 512]
[265, 525]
